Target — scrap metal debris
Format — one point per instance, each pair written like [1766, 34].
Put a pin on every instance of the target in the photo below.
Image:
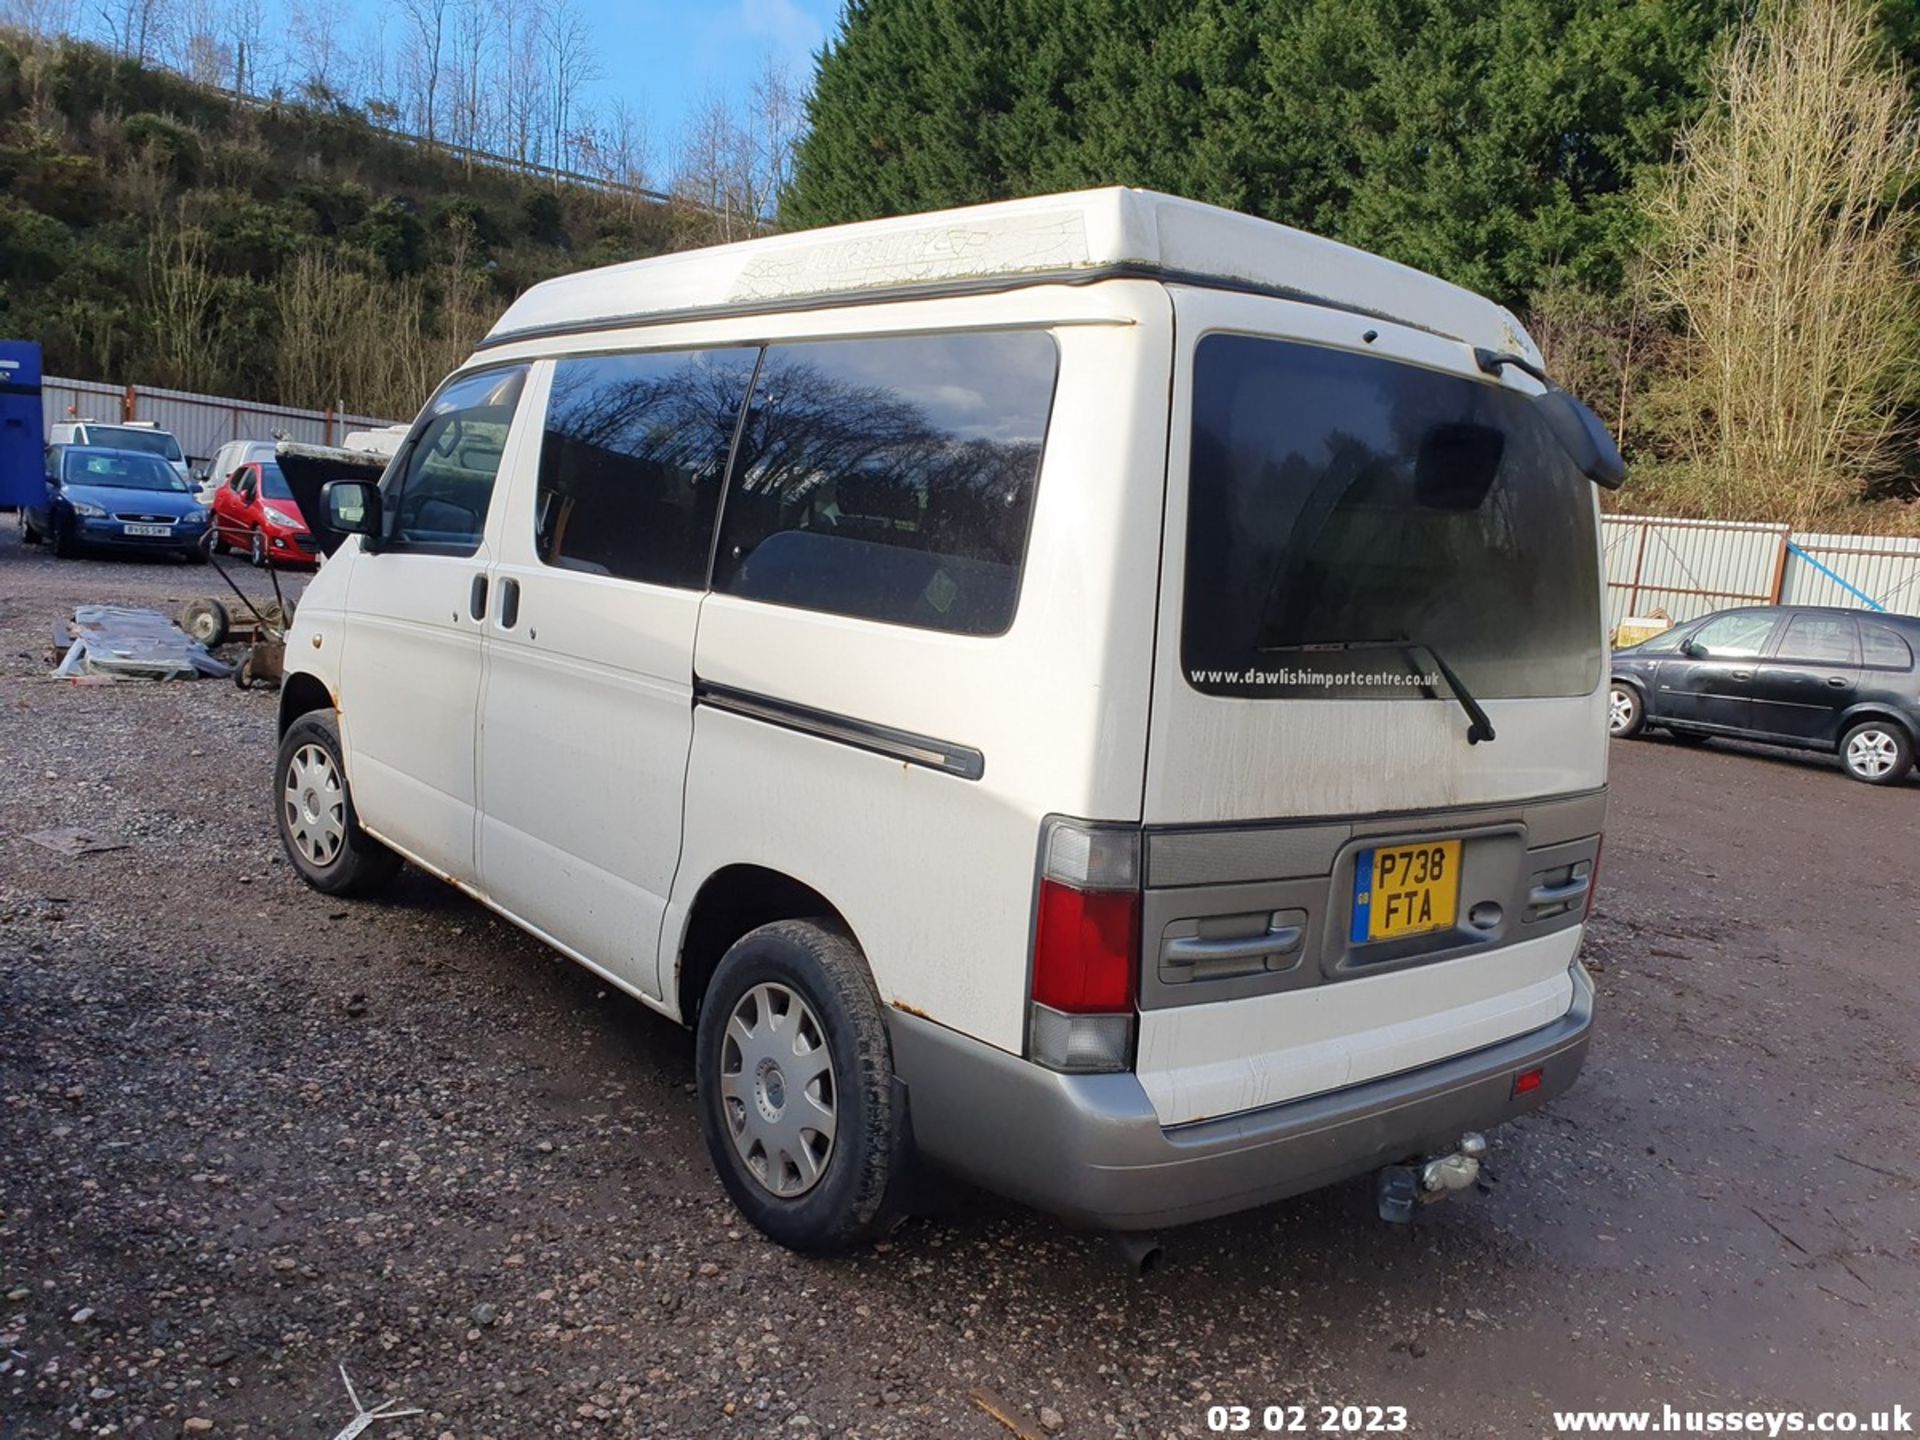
[363, 1417]
[119, 642]
[74, 842]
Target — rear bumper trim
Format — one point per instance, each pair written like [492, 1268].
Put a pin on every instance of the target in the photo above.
[1090, 1147]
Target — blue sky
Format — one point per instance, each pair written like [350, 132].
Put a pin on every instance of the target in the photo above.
[666, 56]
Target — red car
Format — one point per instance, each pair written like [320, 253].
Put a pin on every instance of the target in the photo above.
[255, 512]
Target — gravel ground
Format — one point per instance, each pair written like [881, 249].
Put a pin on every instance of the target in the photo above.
[249, 1134]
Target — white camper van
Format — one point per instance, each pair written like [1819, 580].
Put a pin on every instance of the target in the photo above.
[1096, 693]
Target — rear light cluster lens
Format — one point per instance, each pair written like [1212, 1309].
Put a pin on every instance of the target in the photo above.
[1086, 948]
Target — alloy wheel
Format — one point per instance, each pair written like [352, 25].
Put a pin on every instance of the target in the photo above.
[1620, 705]
[1871, 754]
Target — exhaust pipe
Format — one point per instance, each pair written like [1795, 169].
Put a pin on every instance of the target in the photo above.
[1398, 1188]
[1139, 1255]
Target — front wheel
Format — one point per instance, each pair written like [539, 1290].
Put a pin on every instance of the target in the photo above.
[796, 1088]
[257, 550]
[317, 822]
[1877, 752]
[1625, 714]
[65, 544]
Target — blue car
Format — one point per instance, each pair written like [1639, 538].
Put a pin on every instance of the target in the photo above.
[115, 500]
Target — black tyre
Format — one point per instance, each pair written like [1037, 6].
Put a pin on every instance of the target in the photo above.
[1626, 715]
[1877, 752]
[315, 815]
[796, 1088]
[64, 543]
[206, 620]
[220, 546]
[257, 550]
[28, 535]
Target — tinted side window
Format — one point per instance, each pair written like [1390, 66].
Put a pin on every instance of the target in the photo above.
[1883, 649]
[1821, 639]
[1732, 636]
[631, 465]
[890, 479]
[438, 491]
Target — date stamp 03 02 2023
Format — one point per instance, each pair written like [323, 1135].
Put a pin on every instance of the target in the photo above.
[1306, 1419]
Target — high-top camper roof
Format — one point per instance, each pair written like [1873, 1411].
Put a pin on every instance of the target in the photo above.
[1075, 238]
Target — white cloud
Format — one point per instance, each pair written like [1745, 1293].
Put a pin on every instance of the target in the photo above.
[785, 25]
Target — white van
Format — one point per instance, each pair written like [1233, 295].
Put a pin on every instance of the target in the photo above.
[141, 435]
[1098, 693]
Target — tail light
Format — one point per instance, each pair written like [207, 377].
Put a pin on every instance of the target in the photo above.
[1086, 948]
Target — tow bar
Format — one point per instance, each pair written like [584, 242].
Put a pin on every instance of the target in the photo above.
[1398, 1188]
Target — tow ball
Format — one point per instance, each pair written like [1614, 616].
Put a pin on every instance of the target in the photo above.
[1398, 1188]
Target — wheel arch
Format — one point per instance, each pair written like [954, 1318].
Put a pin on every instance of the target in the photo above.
[301, 694]
[731, 901]
[1874, 710]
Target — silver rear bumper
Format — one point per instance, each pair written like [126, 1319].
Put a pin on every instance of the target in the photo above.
[1090, 1148]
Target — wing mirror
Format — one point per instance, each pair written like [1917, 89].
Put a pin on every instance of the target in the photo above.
[353, 507]
[1692, 649]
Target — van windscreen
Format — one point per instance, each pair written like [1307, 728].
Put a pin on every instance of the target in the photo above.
[1349, 516]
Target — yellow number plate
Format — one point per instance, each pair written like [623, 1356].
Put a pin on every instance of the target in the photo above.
[1402, 890]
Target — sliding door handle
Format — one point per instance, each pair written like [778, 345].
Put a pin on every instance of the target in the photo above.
[509, 603]
[477, 597]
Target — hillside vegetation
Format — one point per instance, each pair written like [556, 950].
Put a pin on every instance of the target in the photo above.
[153, 231]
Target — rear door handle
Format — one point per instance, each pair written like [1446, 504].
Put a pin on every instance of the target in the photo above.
[1838, 682]
[1192, 950]
[1743, 674]
[509, 603]
[477, 598]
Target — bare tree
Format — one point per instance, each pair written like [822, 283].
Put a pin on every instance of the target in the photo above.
[135, 27]
[41, 19]
[566, 44]
[315, 29]
[1789, 263]
[520, 82]
[426, 48]
[473, 39]
[732, 166]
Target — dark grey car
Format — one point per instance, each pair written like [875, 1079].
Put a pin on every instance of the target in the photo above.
[1799, 675]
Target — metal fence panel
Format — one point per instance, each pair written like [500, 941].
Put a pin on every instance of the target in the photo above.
[1857, 571]
[1689, 567]
[201, 423]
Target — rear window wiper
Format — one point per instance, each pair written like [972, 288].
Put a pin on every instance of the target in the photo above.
[1480, 727]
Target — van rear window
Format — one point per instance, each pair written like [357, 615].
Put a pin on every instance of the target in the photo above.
[1348, 516]
[890, 479]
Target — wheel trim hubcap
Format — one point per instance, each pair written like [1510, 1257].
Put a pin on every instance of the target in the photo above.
[315, 805]
[1619, 709]
[1871, 753]
[776, 1090]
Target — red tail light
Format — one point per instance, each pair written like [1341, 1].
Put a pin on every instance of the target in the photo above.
[1084, 946]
